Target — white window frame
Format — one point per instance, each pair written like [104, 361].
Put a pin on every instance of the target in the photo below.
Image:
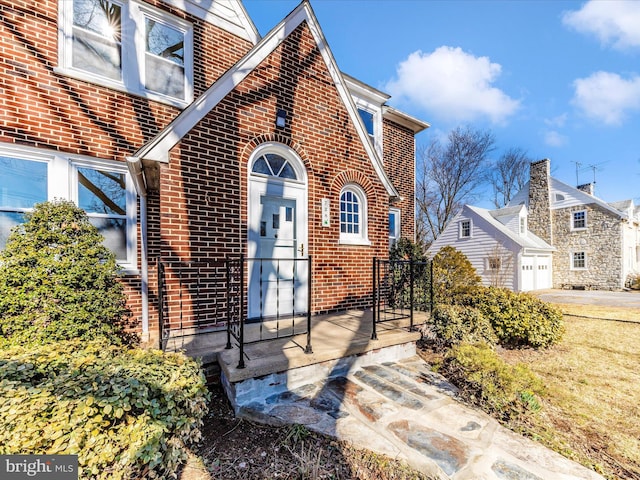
[393, 239]
[461, 228]
[523, 225]
[133, 51]
[361, 238]
[376, 111]
[573, 220]
[62, 182]
[572, 260]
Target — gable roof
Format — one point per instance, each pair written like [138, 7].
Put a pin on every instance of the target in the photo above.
[530, 240]
[227, 14]
[582, 198]
[157, 149]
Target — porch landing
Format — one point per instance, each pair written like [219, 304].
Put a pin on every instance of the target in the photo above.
[333, 336]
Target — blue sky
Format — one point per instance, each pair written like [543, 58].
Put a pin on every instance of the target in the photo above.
[560, 79]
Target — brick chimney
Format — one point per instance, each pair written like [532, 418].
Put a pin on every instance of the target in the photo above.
[587, 188]
[539, 220]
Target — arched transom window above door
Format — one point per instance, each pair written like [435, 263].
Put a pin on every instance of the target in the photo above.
[274, 165]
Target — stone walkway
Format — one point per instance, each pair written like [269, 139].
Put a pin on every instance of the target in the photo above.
[405, 411]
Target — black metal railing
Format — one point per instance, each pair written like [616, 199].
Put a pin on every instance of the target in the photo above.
[252, 299]
[272, 309]
[191, 297]
[400, 288]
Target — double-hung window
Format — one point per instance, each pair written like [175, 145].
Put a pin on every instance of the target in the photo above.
[579, 220]
[128, 46]
[578, 261]
[465, 229]
[103, 189]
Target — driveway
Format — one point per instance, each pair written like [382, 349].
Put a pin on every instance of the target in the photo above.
[591, 297]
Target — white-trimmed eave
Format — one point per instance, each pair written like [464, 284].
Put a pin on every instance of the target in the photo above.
[404, 119]
[229, 15]
[158, 148]
[585, 198]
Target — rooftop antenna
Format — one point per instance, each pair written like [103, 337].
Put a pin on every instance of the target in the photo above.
[578, 165]
[595, 167]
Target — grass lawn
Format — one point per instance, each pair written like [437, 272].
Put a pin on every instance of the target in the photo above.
[592, 409]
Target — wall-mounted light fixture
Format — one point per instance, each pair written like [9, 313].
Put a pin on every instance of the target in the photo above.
[281, 118]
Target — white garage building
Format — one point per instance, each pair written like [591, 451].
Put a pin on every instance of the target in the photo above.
[500, 247]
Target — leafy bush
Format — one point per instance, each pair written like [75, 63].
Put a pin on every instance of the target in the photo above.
[126, 413]
[487, 381]
[518, 319]
[405, 249]
[453, 324]
[57, 280]
[453, 274]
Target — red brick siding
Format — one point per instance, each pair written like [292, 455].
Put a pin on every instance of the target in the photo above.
[204, 187]
[41, 108]
[399, 163]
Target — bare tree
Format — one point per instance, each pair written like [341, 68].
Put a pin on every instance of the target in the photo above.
[448, 176]
[509, 175]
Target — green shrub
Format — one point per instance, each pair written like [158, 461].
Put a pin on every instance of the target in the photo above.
[487, 381]
[57, 280]
[126, 413]
[453, 274]
[454, 324]
[518, 319]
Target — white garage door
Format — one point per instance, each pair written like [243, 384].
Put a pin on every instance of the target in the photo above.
[535, 273]
[543, 278]
[527, 274]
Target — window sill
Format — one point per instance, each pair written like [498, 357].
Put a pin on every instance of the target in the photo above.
[355, 241]
[581, 229]
[118, 86]
[128, 271]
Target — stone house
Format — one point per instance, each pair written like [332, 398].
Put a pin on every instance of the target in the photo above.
[550, 235]
[190, 139]
[597, 244]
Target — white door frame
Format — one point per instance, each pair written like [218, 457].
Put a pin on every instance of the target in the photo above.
[262, 185]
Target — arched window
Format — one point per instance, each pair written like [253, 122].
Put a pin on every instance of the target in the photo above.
[353, 216]
[274, 165]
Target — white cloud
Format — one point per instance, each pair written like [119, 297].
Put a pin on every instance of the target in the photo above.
[614, 22]
[453, 85]
[555, 139]
[607, 97]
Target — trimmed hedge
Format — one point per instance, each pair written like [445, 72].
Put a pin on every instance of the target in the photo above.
[126, 413]
[487, 381]
[518, 319]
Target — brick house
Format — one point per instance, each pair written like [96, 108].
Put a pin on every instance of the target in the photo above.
[188, 138]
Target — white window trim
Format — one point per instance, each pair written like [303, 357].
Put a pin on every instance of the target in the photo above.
[397, 226]
[62, 183]
[361, 238]
[460, 236]
[133, 15]
[522, 225]
[571, 260]
[376, 110]
[586, 224]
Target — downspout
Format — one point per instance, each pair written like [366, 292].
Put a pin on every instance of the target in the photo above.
[135, 168]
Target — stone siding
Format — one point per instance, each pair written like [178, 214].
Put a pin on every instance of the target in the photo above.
[539, 220]
[602, 243]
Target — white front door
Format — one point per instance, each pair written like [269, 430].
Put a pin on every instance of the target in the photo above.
[277, 247]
